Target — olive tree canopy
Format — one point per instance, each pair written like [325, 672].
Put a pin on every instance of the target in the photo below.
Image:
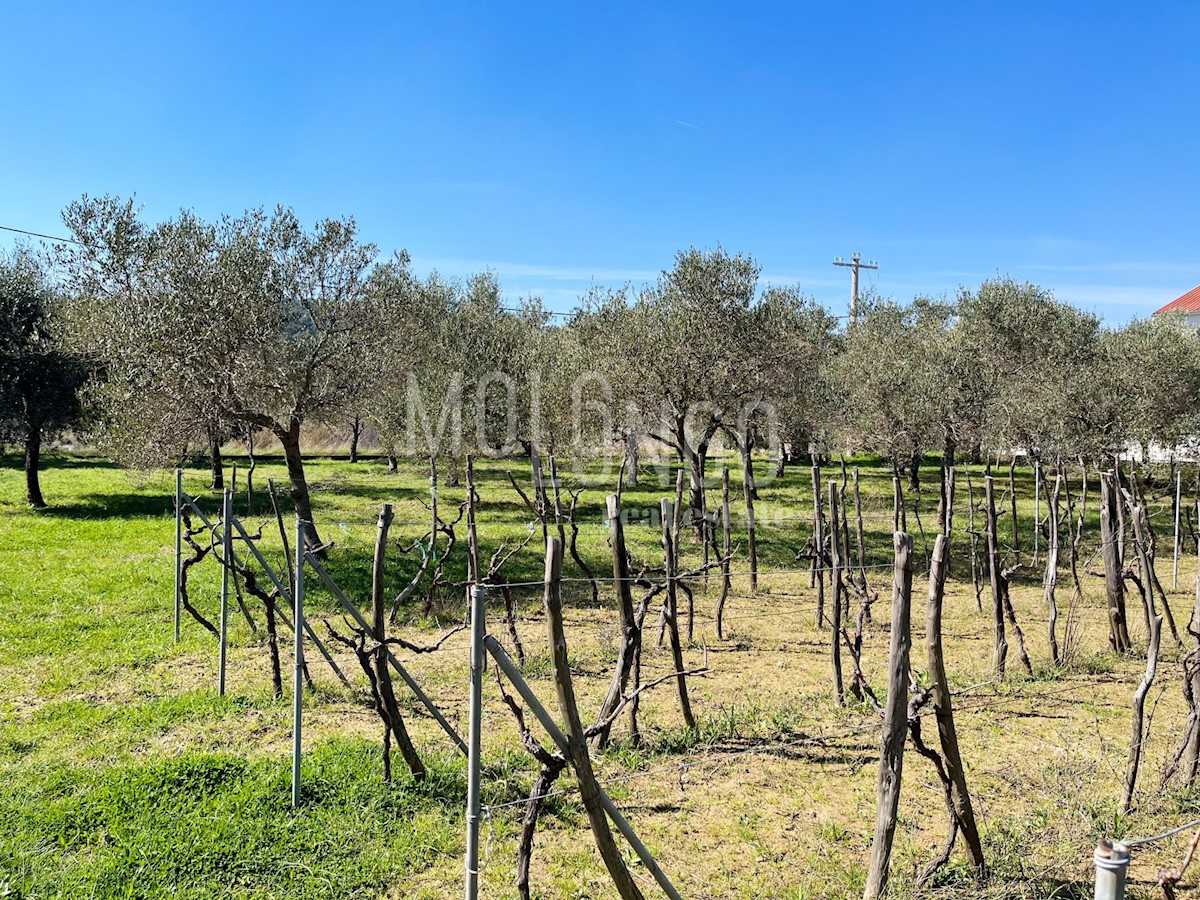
[39, 378]
[251, 320]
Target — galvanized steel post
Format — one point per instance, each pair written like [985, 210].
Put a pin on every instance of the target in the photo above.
[1112, 863]
[227, 553]
[475, 714]
[178, 549]
[298, 677]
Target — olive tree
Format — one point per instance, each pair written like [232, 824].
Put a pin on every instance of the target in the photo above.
[791, 394]
[40, 379]
[1016, 355]
[893, 380]
[682, 352]
[251, 320]
[457, 367]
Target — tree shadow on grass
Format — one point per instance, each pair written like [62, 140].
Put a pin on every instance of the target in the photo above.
[55, 459]
[112, 506]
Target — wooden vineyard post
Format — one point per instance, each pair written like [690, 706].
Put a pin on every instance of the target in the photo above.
[1137, 739]
[393, 720]
[178, 550]
[815, 563]
[895, 722]
[1114, 583]
[835, 581]
[751, 531]
[1050, 581]
[976, 577]
[1000, 652]
[726, 549]
[589, 790]
[951, 489]
[1190, 755]
[942, 704]
[1117, 488]
[949, 486]
[1175, 545]
[818, 560]
[1012, 503]
[670, 560]
[504, 661]
[899, 514]
[631, 635]
[860, 537]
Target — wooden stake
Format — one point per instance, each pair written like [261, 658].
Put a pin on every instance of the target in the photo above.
[751, 536]
[815, 563]
[393, 720]
[976, 575]
[1050, 580]
[1137, 739]
[1012, 502]
[726, 547]
[895, 722]
[835, 581]
[818, 561]
[942, 704]
[1000, 652]
[631, 634]
[671, 608]
[1111, 523]
[859, 534]
[589, 790]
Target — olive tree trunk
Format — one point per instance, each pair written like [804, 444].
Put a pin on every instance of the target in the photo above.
[33, 461]
[290, 439]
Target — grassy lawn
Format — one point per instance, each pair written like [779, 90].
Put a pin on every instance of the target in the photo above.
[123, 774]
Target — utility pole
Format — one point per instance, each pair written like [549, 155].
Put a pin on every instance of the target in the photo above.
[854, 265]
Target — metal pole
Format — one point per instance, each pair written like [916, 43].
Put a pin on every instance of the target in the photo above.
[1178, 507]
[1037, 508]
[1112, 862]
[504, 661]
[298, 677]
[478, 627]
[178, 549]
[227, 553]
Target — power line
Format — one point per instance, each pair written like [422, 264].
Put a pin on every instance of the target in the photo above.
[512, 309]
[38, 234]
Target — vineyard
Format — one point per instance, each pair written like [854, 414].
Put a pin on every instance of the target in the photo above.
[127, 773]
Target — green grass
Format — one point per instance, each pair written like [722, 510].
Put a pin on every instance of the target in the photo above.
[198, 824]
[122, 774]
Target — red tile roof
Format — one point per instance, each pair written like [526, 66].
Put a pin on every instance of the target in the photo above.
[1189, 302]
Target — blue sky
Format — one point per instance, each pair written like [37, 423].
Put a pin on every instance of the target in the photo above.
[560, 144]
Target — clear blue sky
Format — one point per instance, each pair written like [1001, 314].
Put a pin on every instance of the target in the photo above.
[559, 143]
